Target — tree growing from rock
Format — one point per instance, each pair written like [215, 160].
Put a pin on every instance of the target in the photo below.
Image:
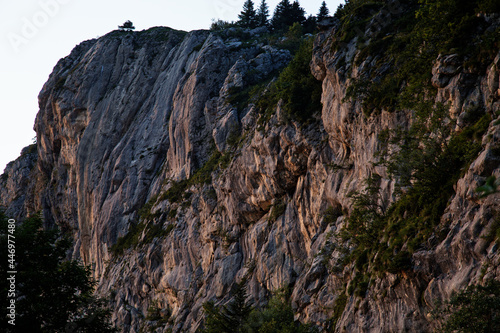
[323, 12]
[248, 16]
[127, 26]
[230, 318]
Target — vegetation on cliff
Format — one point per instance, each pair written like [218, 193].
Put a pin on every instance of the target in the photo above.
[222, 165]
[52, 294]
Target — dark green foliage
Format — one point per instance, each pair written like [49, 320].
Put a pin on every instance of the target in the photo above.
[156, 317]
[473, 310]
[332, 213]
[489, 187]
[176, 192]
[172, 213]
[323, 12]
[277, 317]
[277, 210]
[129, 240]
[338, 310]
[220, 25]
[156, 230]
[31, 149]
[488, 6]
[178, 189]
[230, 318]
[204, 174]
[286, 14]
[239, 316]
[145, 212]
[127, 26]
[407, 42]
[296, 87]
[140, 233]
[494, 232]
[310, 24]
[429, 162]
[263, 14]
[53, 294]
[248, 16]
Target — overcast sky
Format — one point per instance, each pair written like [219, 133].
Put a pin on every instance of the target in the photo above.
[35, 34]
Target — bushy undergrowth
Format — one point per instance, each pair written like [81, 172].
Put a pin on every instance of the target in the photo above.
[203, 175]
[296, 87]
[240, 316]
[429, 162]
[475, 309]
[140, 233]
[427, 159]
[405, 50]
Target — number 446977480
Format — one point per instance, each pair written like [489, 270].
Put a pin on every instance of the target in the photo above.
[11, 246]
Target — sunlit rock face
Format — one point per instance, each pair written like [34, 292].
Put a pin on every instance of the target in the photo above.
[126, 118]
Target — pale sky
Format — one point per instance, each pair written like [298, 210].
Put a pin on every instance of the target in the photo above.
[35, 34]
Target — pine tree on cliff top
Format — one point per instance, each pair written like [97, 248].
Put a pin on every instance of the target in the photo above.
[263, 14]
[127, 26]
[286, 14]
[323, 12]
[248, 16]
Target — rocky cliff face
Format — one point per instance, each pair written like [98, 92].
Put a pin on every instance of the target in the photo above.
[173, 192]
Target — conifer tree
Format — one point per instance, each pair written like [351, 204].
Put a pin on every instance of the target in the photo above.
[127, 26]
[53, 294]
[323, 12]
[248, 16]
[297, 14]
[263, 14]
[279, 21]
[286, 14]
[230, 318]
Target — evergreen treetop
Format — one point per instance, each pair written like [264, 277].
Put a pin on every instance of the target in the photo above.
[263, 14]
[127, 26]
[323, 12]
[53, 294]
[286, 14]
[248, 16]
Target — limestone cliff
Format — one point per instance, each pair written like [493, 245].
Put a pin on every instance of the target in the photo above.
[173, 189]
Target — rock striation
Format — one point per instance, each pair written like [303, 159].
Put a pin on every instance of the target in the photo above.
[139, 135]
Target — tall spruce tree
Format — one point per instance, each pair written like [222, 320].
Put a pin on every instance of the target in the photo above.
[279, 20]
[286, 14]
[297, 14]
[263, 14]
[248, 16]
[323, 12]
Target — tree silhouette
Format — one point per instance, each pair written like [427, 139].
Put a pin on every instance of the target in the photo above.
[248, 16]
[473, 310]
[127, 26]
[323, 12]
[263, 14]
[286, 14]
[52, 293]
[230, 318]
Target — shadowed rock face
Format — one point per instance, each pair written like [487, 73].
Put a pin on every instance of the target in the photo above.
[126, 117]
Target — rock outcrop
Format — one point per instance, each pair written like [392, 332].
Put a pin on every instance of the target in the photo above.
[139, 136]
